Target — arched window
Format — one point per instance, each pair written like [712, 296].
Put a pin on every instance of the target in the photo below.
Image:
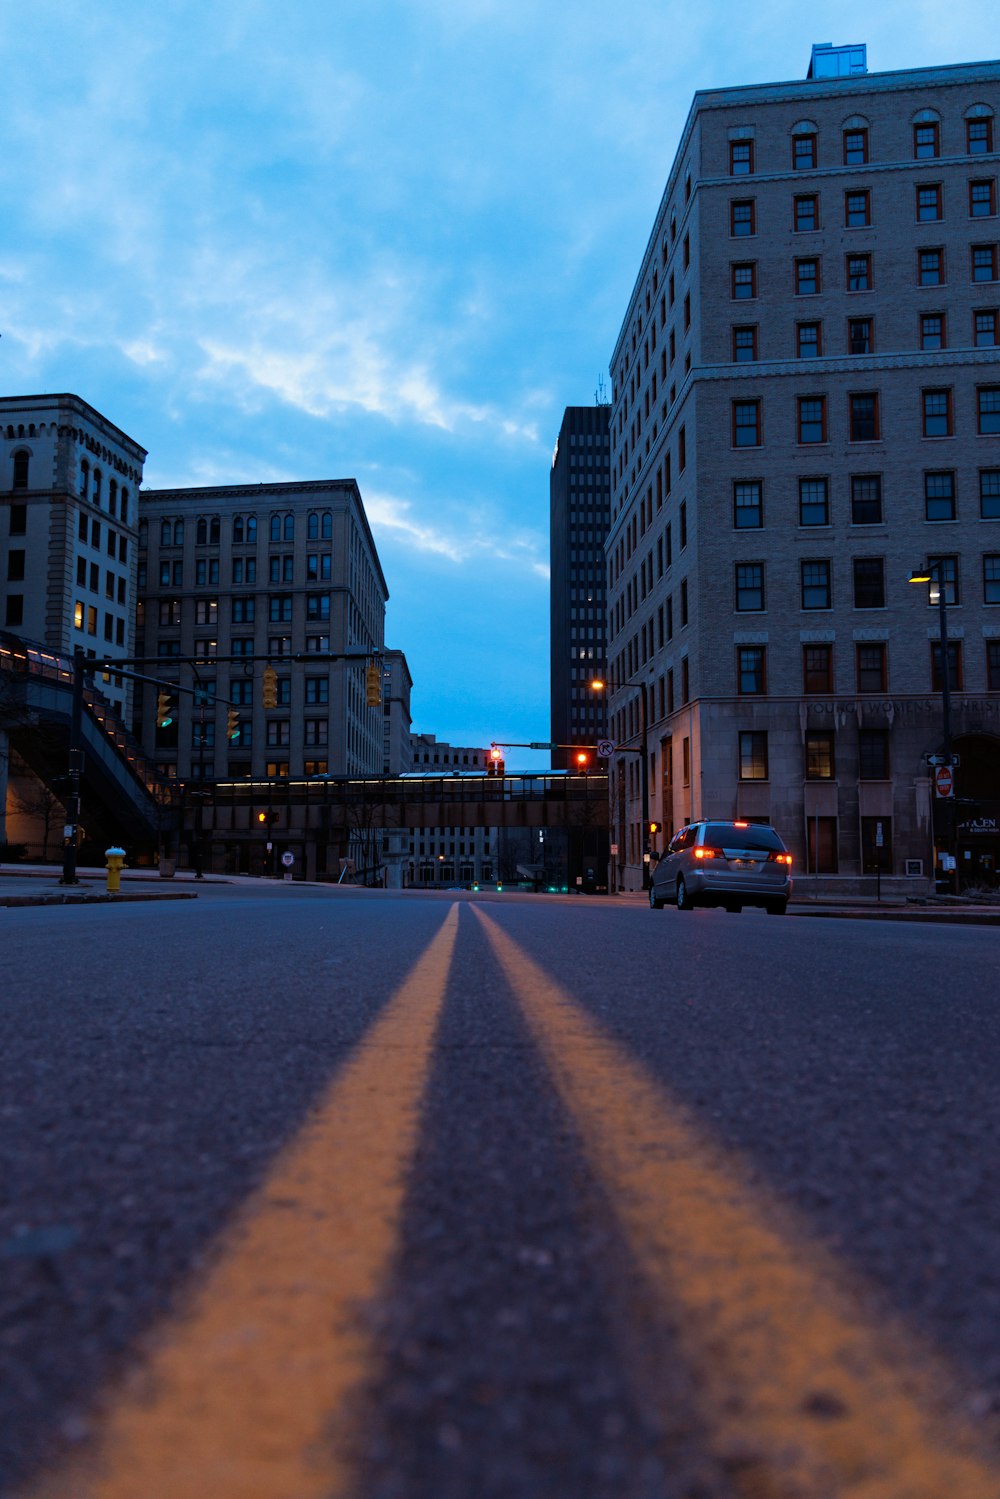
[251, 528]
[275, 527]
[97, 486]
[166, 533]
[21, 461]
[124, 503]
[112, 497]
[84, 478]
[201, 533]
[313, 529]
[178, 533]
[289, 527]
[237, 529]
[144, 533]
[327, 525]
[213, 531]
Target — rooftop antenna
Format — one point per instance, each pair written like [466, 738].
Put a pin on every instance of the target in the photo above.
[600, 394]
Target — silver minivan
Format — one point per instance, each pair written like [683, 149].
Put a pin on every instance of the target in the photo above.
[729, 864]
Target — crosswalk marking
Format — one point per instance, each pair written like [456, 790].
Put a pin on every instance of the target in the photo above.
[243, 1393]
[801, 1396]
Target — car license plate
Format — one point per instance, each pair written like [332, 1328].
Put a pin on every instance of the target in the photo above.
[745, 863]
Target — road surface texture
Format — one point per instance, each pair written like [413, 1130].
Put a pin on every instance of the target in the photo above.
[401, 1196]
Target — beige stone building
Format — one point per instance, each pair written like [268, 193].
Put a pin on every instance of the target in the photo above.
[279, 575]
[806, 408]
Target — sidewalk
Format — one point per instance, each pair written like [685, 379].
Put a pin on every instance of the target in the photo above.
[38, 885]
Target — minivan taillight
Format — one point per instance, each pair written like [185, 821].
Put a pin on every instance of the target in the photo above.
[709, 853]
[776, 858]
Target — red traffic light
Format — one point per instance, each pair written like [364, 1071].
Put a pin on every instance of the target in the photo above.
[582, 759]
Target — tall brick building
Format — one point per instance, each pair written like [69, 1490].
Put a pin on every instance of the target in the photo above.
[806, 407]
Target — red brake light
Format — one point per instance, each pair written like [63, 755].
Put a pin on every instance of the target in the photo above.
[780, 858]
[709, 853]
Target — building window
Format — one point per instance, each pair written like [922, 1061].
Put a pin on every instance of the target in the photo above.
[979, 136]
[243, 610]
[983, 198]
[928, 203]
[744, 345]
[317, 690]
[991, 578]
[937, 413]
[317, 606]
[821, 845]
[816, 587]
[742, 217]
[753, 755]
[740, 158]
[316, 731]
[988, 410]
[945, 569]
[930, 267]
[993, 665]
[859, 273]
[279, 731]
[860, 339]
[819, 755]
[954, 665]
[814, 502]
[746, 424]
[279, 608]
[809, 340]
[807, 277]
[869, 583]
[806, 213]
[873, 755]
[15, 609]
[811, 419]
[870, 663]
[985, 331]
[984, 262]
[817, 668]
[749, 586]
[932, 330]
[926, 140]
[170, 611]
[864, 423]
[989, 493]
[744, 281]
[748, 505]
[21, 461]
[803, 152]
[751, 670]
[855, 147]
[939, 496]
[857, 208]
[206, 611]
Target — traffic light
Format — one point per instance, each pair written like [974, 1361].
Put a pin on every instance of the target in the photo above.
[232, 724]
[654, 828]
[267, 818]
[373, 686]
[164, 712]
[269, 696]
[582, 759]
[495, 765]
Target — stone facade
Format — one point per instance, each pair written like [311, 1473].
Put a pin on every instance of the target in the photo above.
[806, 407]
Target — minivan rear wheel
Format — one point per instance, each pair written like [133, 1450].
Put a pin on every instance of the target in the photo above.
[655, 903]
[684, 901]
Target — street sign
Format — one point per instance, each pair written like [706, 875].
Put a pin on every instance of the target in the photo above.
[944, 781]
[288, 858]
[953, 760]
[614, 848]
[605, 749]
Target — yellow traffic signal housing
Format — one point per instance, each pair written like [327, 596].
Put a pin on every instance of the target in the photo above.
[270, 693]
[232, 724]
[373, 686]
[654, 827]
[164, 712]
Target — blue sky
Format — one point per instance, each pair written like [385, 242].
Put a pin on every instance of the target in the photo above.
[387, 239]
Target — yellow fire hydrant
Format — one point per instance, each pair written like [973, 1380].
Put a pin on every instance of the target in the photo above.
[115, 858]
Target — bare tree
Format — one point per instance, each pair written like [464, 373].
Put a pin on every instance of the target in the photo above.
[32, 798]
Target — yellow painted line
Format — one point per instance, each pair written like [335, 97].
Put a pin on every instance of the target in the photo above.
[801, 1395]
[245, 1394]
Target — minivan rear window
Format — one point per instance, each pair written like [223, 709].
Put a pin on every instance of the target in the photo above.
[754, 835]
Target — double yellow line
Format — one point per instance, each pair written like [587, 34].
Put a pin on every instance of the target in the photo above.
[251, 1390]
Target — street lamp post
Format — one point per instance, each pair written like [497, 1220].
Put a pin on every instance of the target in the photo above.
[598, 684]
[934, 572]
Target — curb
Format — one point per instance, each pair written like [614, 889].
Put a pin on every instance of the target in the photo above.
[85, 898]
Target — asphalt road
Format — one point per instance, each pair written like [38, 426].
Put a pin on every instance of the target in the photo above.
[417, 1197]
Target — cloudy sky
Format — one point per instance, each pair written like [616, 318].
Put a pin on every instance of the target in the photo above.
[387, 239]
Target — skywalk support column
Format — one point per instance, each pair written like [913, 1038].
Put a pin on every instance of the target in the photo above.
[75, 756]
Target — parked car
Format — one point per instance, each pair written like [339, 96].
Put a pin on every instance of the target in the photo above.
[729, 864]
